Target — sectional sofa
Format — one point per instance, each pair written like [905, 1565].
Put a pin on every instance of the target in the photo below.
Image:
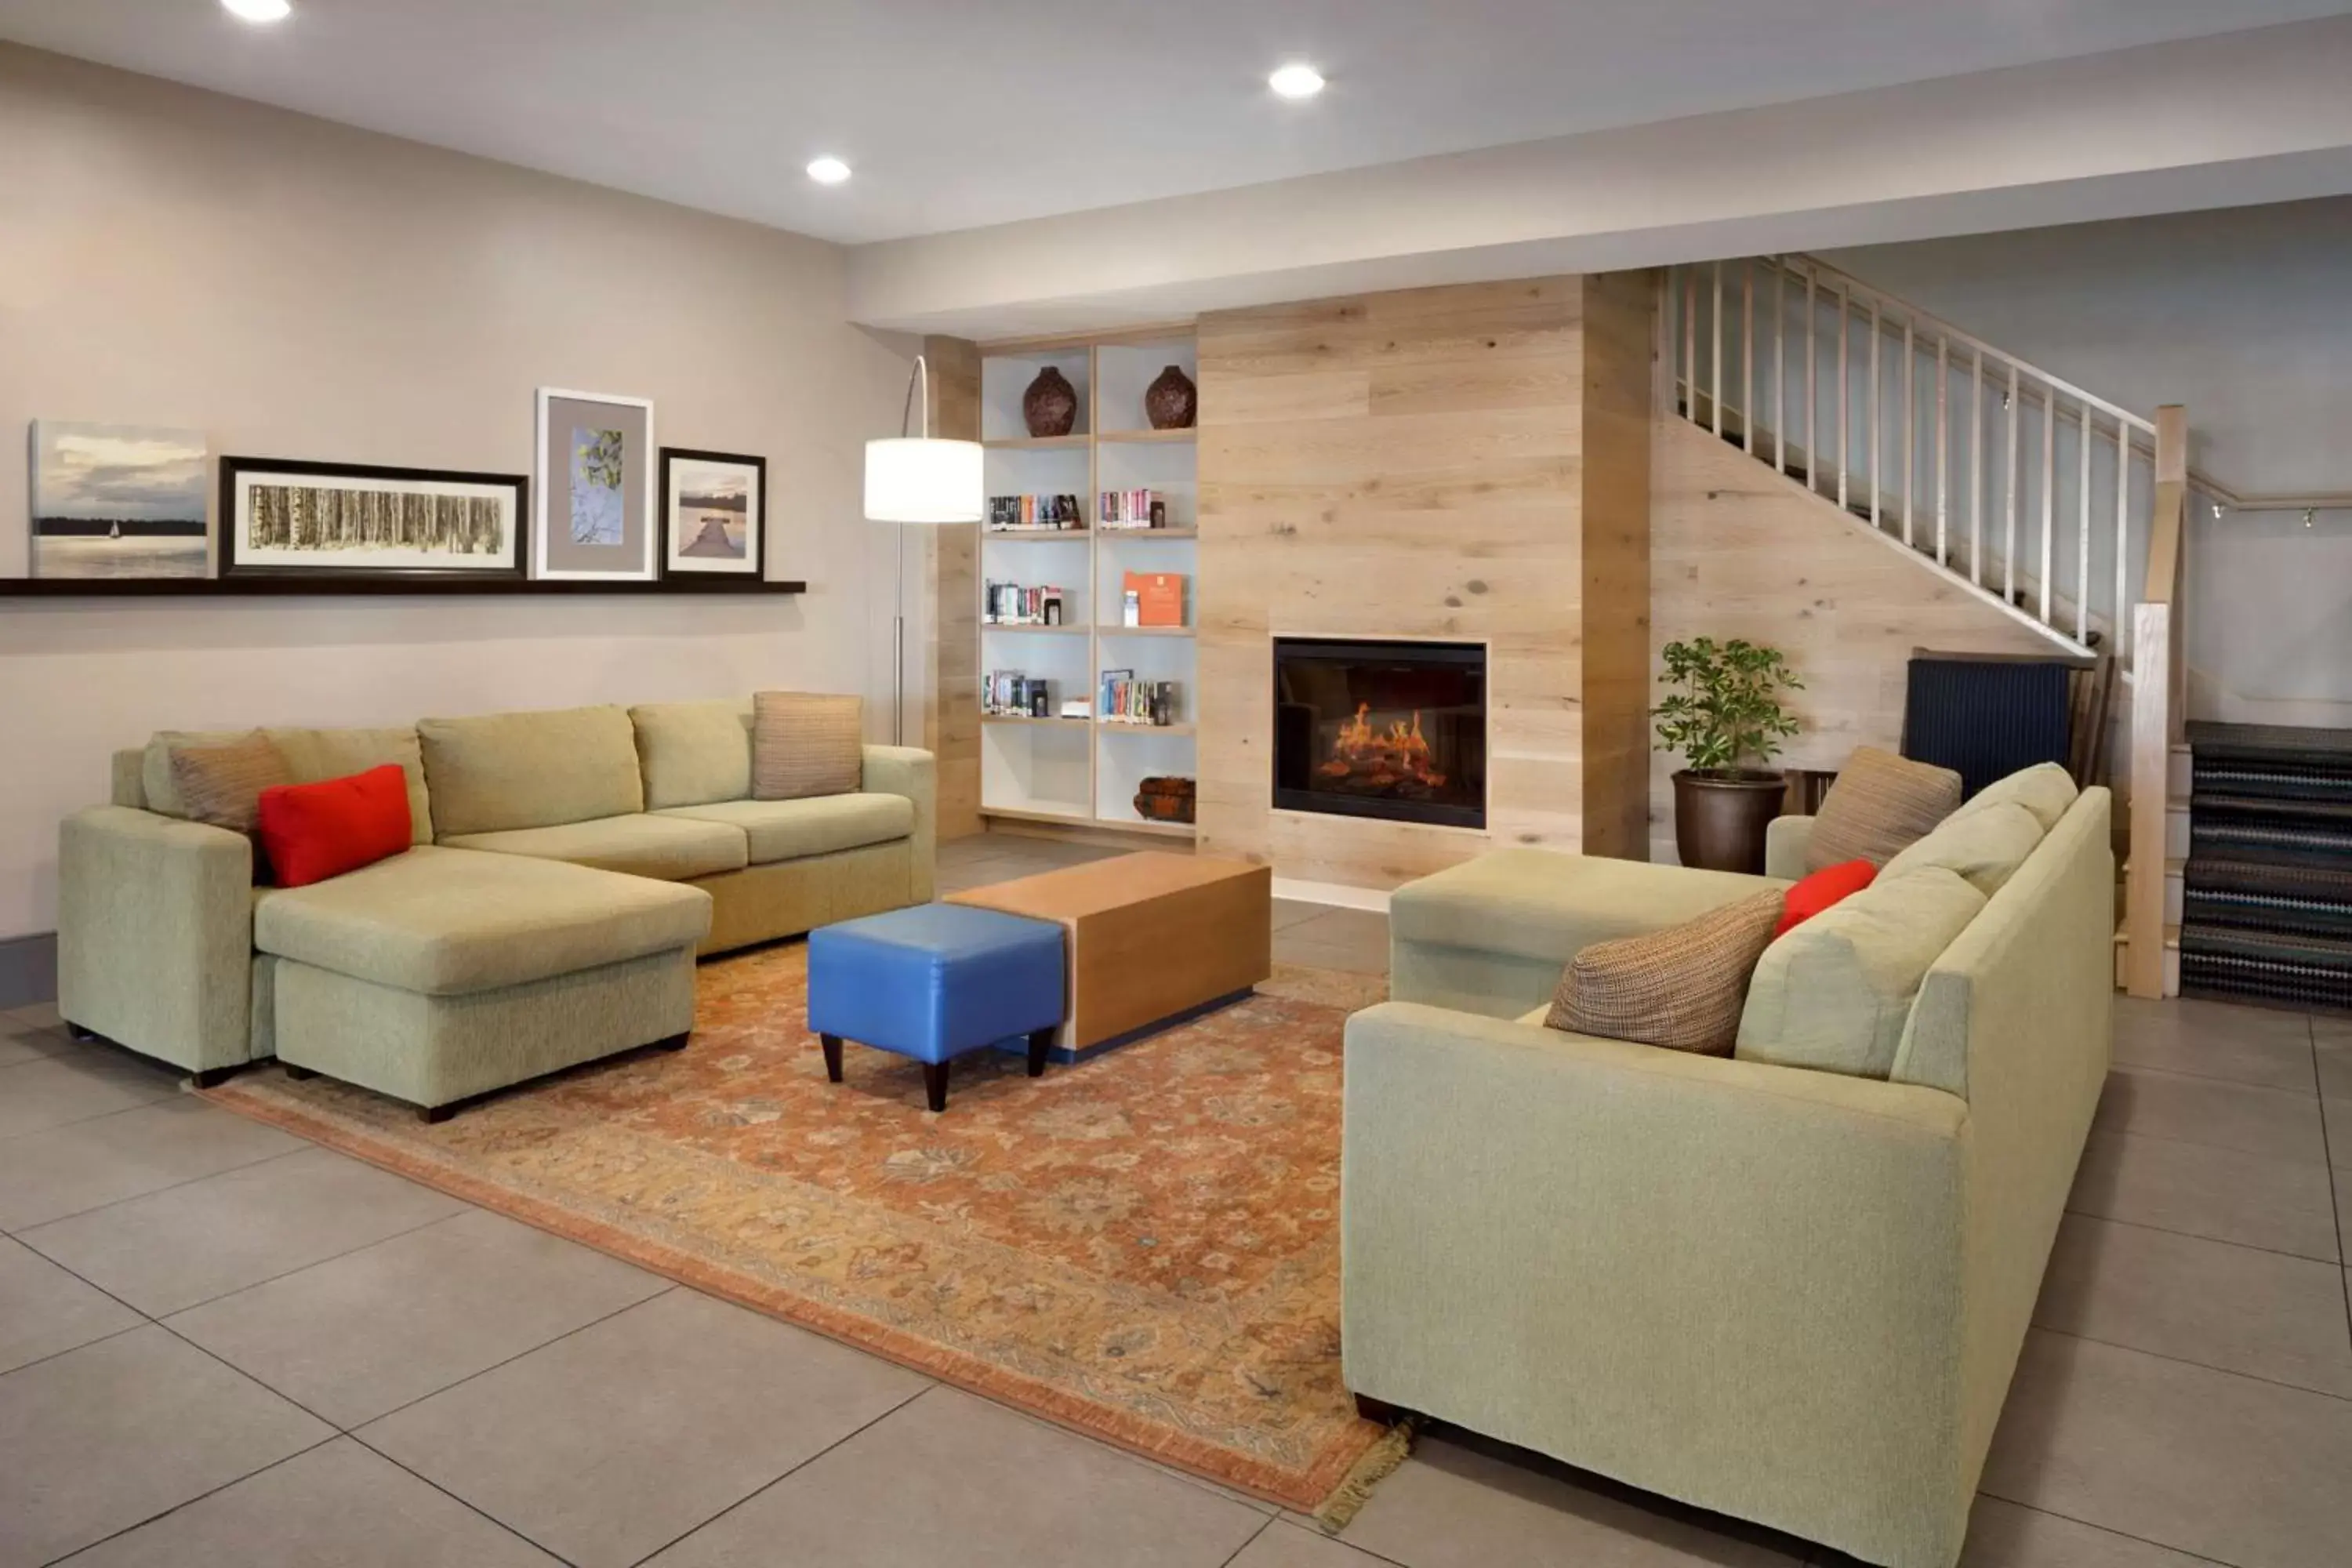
[567, 868]
[1790, 1293]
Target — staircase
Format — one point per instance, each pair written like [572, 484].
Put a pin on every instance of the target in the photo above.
[2266, 894]
[2061, 509]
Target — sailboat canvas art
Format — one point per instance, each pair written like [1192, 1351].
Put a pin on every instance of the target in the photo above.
[117, 500]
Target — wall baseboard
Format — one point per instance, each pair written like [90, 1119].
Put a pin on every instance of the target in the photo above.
[28, 969]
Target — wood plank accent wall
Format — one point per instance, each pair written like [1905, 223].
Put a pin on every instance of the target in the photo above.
[951, 584]
[1739, 551]
[1417, 464]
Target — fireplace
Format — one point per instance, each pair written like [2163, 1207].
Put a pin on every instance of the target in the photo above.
[1381, 728]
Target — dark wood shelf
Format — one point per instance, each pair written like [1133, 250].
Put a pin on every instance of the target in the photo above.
[265, 587]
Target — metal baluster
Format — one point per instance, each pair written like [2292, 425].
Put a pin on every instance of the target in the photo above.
[1910, 496]
[1813, 399]
[1943, 436]
[1845, 415]
[1690, 344]
[2083, 541]
[1779, 368]
[2120, 633]
[2049, 492]
[1714, 348]
[1876, 414]
[1748, 355]
[2009, 524]
[1977, 475]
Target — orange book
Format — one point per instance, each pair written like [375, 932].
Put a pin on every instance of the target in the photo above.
[1159, 596]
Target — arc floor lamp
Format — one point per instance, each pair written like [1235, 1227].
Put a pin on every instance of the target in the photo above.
[916, 478]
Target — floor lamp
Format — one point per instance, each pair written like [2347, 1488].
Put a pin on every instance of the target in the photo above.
[916, 478]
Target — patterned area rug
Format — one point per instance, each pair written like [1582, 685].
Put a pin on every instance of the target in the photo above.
[1144, 1248]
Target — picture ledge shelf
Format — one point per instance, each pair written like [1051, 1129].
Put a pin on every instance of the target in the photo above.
[376, 587]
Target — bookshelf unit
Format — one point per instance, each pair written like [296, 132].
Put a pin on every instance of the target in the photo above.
[1085, 771]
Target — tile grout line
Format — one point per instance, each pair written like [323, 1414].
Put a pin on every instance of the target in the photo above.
[191, 1502]
[928, 1385]
[306, 1145]
[2335, 1187]
[2337, 1262]
[2193, 1143]
[496, 1522]
[2209, 1078]
[666, 1287]
[1264, 1525]
[2202, 1366]
[2109, 1530]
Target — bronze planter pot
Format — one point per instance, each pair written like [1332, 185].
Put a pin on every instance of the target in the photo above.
[1719, 818]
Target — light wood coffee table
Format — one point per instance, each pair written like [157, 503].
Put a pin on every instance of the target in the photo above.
[1151, 937]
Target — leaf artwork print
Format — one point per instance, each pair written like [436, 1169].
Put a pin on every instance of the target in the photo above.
[597, 465]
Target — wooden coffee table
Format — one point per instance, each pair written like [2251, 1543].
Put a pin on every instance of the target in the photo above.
[1151, 937]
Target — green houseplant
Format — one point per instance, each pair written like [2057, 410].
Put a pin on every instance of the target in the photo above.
[1723, 714]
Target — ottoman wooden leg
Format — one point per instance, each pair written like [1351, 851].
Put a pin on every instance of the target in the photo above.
[935, 1084]
[832, 1055]
[296, 1074]
[75, 1031]
[211, 1078]
[1040, 1042]
[433, 1115]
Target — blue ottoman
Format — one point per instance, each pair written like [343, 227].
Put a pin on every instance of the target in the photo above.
[933, 981]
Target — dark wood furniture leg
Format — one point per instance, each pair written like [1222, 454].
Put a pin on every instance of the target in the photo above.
[675, 1042]
[211, 1078]
[1380, 1410]
[432, 1115]
[1040, 1042]
[832, 1055]
[935, 1084]
[298, 1074]
[75, 1032]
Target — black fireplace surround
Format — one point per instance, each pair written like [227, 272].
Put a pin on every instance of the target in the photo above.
[1384, 728]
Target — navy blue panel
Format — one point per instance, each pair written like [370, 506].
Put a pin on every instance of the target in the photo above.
[1986, 719]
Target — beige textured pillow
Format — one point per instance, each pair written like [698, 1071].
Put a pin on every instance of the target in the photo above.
[1682, 988]
[2045, 789]
[1983, 848]
[222, 785]
[1880, 805]
[805, 743]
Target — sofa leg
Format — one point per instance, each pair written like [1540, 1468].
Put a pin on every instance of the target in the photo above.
[211, 1078]
[832, 1055]
[1040, 1042]
[1380, 1410]
[935, 1084]
[432, 1115]
[75, 1032]
[675, 1042]
[298, 1074]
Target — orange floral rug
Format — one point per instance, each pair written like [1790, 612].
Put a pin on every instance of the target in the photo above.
[1144, 1247]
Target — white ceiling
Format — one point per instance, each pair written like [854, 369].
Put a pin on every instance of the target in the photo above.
[957, 113]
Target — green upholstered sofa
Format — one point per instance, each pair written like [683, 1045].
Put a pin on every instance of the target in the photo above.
[1790, 1295]
[567, 868]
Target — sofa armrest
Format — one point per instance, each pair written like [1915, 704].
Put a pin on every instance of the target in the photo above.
[1730, 1282]
[910, 770]
[155, 934]
[1785, 840]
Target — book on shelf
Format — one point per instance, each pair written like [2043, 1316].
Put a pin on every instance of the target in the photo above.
[1043, 513]
[1135, 510]
[1158, 598]
[1016, 604]
[1008, 694]
[1123, 699]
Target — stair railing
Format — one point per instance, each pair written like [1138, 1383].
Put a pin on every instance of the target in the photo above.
[2159, 708]
[2027, 488]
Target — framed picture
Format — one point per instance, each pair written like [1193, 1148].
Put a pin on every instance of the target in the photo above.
[596, 517]
[117, 500]
[284, 517]
[714, 514]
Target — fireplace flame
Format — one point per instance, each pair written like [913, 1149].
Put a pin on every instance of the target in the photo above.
[1383, 758]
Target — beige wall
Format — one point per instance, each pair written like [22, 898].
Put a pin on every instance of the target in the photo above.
[298, 289]
[1416, 464]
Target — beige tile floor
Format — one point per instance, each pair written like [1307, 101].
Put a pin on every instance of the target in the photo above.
[219, 1345]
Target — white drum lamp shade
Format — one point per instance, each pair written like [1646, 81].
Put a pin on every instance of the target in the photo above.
[922, 479]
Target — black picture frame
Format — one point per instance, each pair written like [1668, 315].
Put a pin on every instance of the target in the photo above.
[665, 543]
[232, 526]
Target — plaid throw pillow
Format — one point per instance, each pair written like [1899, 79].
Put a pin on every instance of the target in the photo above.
[806, 744]
[1880, 806]
[222, 786]
[1682, 988]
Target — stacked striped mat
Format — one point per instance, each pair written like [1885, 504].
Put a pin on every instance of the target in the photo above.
[2267, 893]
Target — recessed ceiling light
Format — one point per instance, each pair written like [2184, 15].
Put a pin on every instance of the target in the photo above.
[1296, 81]
[260, 10]
[828, 171]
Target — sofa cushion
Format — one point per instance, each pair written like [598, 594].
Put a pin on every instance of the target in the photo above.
[446, 922]
[1681, 988]
[2045, 789]
[1983, 847]
[639, 845]
[694, 752]
[222, 786]
[1542, 904]
[1880, 805]
[502, 771]
[314, 757]
[1834, 993]
[155, 765]
[1823, 890]
[795, 829]
[805, 743]
[314, 831]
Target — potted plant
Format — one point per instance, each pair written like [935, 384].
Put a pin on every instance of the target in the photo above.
[1725, 717]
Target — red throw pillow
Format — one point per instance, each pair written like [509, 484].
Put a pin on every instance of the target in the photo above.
[1823, 889]
[315, 831]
